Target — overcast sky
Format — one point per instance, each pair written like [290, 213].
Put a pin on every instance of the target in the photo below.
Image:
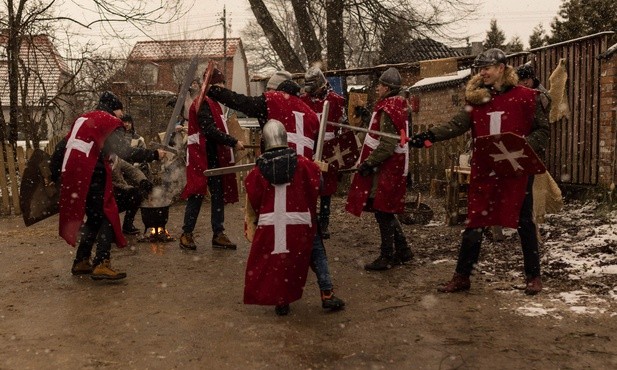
[514, 17]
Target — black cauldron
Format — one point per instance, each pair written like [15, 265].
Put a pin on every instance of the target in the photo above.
[155, 217]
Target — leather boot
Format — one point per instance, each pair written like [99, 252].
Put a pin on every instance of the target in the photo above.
[382, 263]
[459, 283]
[330, 301]
[103, 271]
[404, 254]
[187, 242]
[533, 286]
[82, 267]
[221, 241]
[282, 309]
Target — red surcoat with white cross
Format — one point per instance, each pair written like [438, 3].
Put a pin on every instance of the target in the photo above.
[85, 141]
[336, 113]
[392, 173]
[494, 200]
[196, 158]
[280, 253]
[301, 123]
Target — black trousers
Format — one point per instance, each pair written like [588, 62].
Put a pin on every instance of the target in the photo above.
[472, 240]
[96, 228]
[128, 200]
[392, 236]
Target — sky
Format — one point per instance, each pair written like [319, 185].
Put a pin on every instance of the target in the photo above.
[514, 17]
[517, 17]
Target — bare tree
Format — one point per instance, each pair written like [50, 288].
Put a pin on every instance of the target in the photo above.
[23, 18]
[346, 28]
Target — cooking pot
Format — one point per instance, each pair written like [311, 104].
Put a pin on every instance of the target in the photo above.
[155, 217]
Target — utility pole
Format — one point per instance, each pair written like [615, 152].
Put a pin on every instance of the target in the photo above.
[224, 19]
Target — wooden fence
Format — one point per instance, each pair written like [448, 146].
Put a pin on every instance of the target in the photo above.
[12, 165]
[574, 149]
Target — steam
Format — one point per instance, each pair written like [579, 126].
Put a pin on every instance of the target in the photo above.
[173, 180]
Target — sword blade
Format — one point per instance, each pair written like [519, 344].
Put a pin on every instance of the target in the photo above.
[362, 129]
[322, 130]
[403, 138]
[184, 90]
[230, 169]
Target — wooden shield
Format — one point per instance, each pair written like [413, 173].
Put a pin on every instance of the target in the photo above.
[342, 152]
[507, 155]
[37, 200]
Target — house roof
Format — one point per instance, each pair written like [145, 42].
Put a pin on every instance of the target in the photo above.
[421, 49]
[431, 83]
[41, 57]
[183, 49]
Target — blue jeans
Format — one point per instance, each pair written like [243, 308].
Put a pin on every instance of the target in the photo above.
[319, 263]
[217, 207]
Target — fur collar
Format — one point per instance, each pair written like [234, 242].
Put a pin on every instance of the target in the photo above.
[476, 93]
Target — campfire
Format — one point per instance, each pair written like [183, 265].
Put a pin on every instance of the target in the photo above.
[155, 235]
[155, 220]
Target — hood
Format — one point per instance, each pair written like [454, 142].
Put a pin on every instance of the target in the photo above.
[476, 93]
[278, 166]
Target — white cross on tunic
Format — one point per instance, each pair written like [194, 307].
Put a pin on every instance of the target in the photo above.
[73, 143]
[280, 218]
[509, 156]
[338, 155]
[298, 137]
[193, 139]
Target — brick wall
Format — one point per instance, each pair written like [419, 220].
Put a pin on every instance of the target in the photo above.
[436, 107]
[608, 122]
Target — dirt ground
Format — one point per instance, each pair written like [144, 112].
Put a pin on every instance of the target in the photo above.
[179, 310]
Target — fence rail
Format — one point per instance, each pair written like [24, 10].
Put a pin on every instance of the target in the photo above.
[12, 166]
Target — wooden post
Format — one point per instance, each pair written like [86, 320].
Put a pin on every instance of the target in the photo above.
[5, 206]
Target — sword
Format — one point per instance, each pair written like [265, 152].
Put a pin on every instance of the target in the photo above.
[323, 166]
[166, 148]
[403, 138]
[184, 90]
[230, 169]
[204, 84]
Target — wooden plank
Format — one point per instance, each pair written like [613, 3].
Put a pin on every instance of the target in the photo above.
[5, 207]
[596, 75]
[14, 180]
[582, 120]
[21, 164]
[590, 121]
[568, 135]
[21, 160]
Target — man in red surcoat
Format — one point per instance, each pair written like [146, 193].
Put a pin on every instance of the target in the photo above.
[380, 184]
[316, 93]
[81, 163]
[495, 104]
[209, 146]
[282, 193]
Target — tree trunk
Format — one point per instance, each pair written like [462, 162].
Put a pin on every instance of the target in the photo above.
[311, 44]
[334, 37]
[290, 60]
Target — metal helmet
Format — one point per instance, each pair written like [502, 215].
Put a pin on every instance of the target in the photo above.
[525, 71]
[490, 57]
[274, 135]
[314, 80]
